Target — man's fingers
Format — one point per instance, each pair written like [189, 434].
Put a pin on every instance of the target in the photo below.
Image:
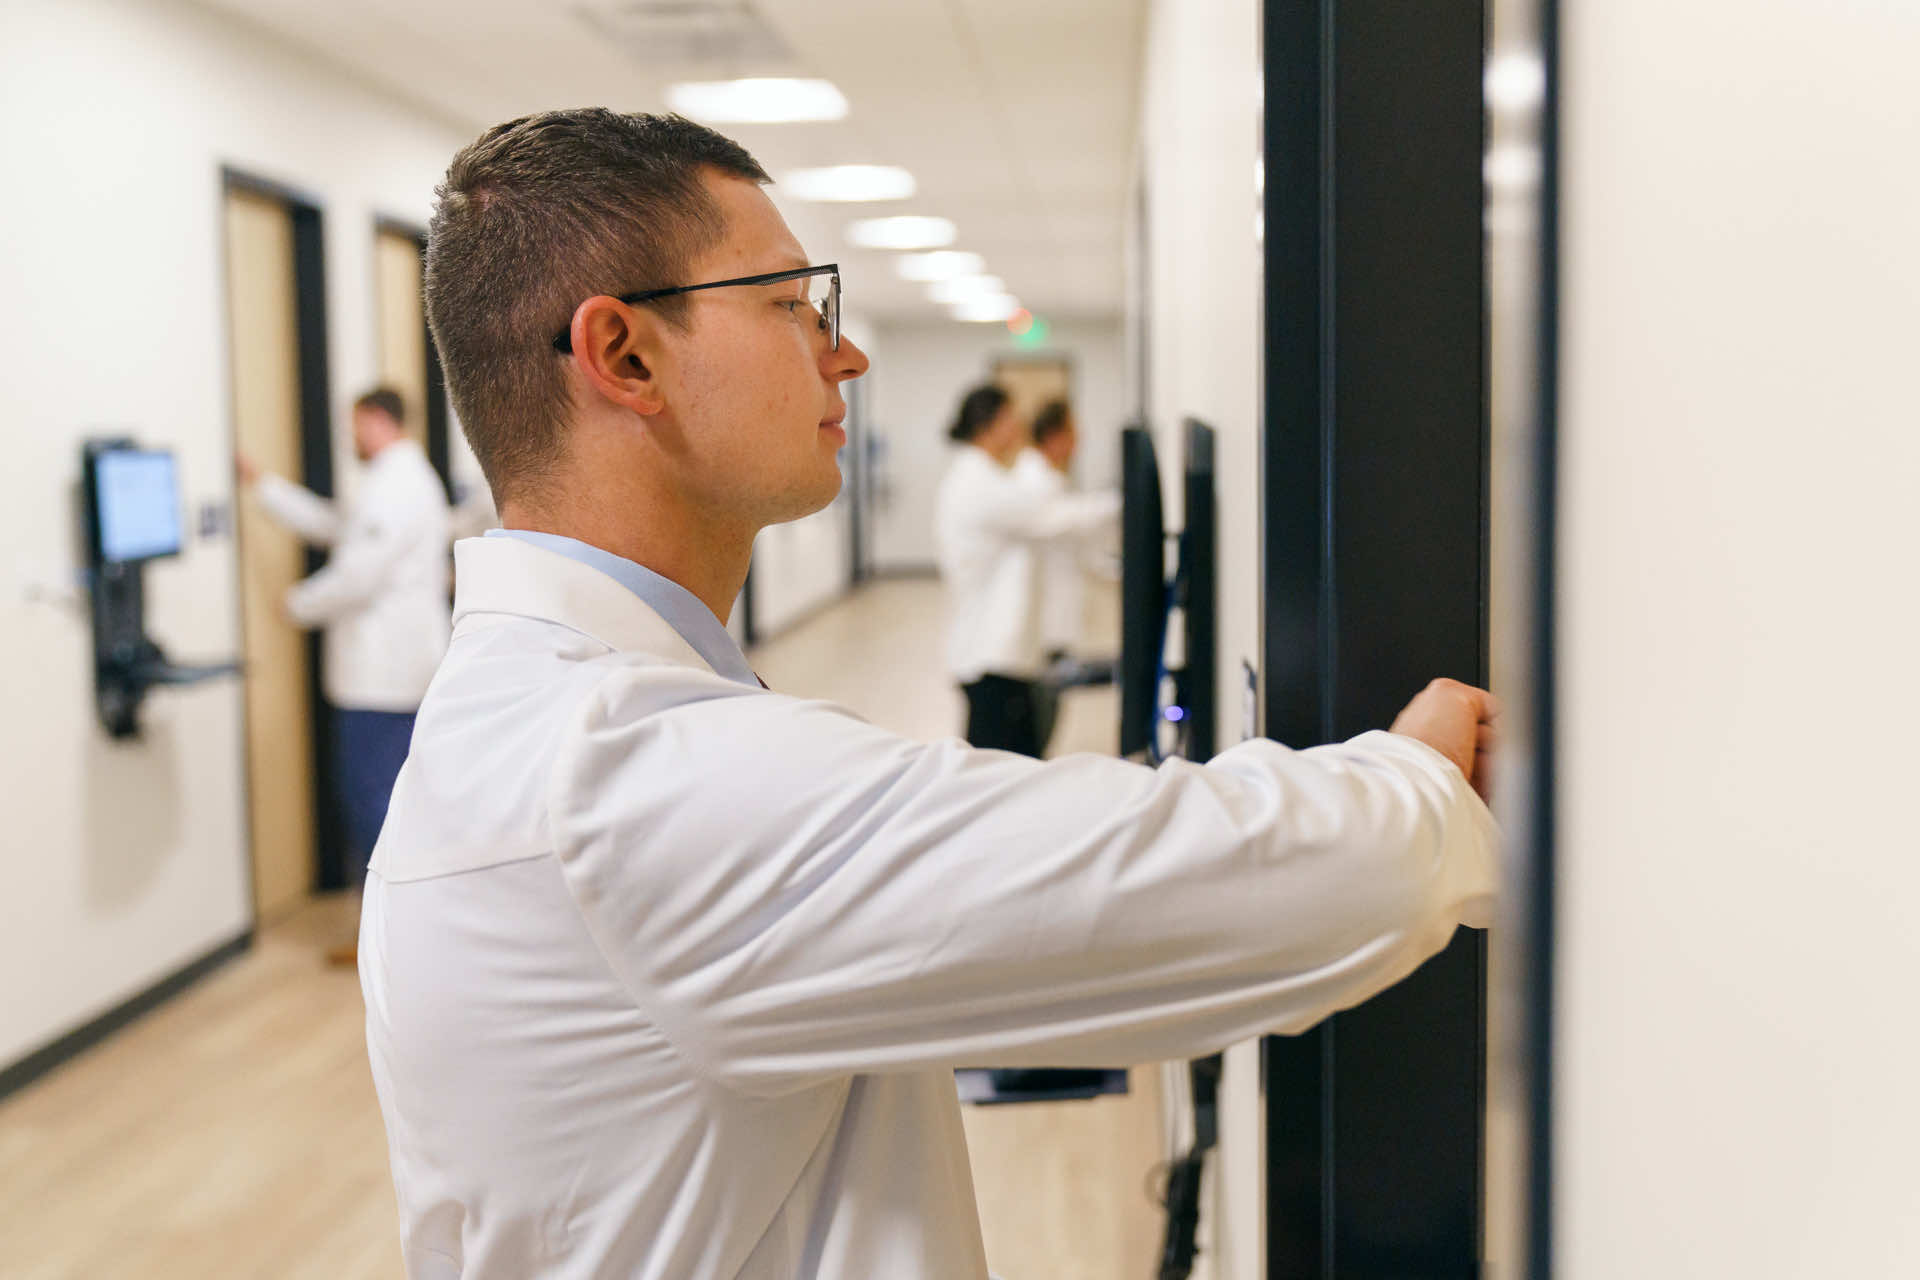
[1483, 705]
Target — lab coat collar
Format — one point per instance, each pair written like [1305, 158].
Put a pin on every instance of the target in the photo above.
[505, 575]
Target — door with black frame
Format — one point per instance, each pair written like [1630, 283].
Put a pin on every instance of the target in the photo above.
[1386, 341]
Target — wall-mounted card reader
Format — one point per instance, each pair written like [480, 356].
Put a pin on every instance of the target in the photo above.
[131, 497]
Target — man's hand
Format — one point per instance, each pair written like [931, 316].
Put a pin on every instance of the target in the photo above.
[246, 469]
[1460, 722]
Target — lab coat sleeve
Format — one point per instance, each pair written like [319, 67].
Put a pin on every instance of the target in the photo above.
[358, 570]
[1021, 512]
[794, 894]
[300, 509]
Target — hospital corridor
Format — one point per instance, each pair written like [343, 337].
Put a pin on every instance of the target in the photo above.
[959, 640]
[261, 1151]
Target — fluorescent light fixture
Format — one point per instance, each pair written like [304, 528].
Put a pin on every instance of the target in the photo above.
[993, 309]
[1512, 166]
[758, 101]
[849, 182]
[943, 264]
[967, 288]
[901, 233]
[1515, 82]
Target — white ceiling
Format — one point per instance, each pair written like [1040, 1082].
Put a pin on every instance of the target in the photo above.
[1018, 117]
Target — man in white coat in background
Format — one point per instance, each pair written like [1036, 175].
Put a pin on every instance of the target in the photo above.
[666, 973]
[1046, 467]
[382, 600]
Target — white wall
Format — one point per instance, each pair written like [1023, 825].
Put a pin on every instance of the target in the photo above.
[1200, 137]
[801, 565]
[807, 563]
[1740, 874]
[919, 374]
[125, 861]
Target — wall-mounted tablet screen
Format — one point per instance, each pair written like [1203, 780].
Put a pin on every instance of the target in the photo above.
[137, 503]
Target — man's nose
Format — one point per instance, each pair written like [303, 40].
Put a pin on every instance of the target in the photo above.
[848, 362]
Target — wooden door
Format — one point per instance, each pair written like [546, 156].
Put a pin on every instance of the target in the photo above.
[263, 323]
[403, 325]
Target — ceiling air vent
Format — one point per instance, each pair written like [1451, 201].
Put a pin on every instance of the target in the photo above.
[726, 34]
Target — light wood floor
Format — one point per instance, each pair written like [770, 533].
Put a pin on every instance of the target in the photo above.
[234, 1132]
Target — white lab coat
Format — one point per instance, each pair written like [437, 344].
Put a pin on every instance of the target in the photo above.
[666, 975]
[990, 529]
[382, 595]
[1063, 579]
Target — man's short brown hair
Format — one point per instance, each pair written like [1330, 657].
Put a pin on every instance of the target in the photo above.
[536, 216]
[387, 401]
[1054, 416]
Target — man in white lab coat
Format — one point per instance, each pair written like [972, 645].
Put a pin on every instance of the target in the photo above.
[382, 600]
[666, 973]
[1045, 466]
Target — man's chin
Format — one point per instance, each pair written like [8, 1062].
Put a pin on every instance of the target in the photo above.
[811, 500]
[829, 490]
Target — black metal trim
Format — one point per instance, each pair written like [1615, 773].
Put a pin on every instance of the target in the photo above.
[439, 428]
[1344, 578]
[232, 179]
[24, 1072]
[1295, 494]
[1541, 911]
[385, 224]
[316, 464]
[1295, 506]
[434, 411]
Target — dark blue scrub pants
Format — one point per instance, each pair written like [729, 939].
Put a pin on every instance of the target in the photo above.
[369, 748]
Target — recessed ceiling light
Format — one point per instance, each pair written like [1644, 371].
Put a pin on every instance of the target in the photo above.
[901, 233]
[989, 310]
[1511, 166]
[758, 101]
[849, 182]
[1515, 81]
[944, 264]
[966, 288]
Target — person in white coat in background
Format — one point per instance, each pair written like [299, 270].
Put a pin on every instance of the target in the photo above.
[381, 599]
[666, 973]
[1046, 467]
[992, 529]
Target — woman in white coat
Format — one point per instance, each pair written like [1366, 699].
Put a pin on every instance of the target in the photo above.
[991, 531]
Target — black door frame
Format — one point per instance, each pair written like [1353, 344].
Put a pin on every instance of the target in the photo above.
[1375, 557]
[1377, 426]
[316, 473]
[439, 441]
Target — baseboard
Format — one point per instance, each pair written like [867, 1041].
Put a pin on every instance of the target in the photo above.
[891, 571]
[76, 1042]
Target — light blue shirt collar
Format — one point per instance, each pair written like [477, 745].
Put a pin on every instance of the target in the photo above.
[682, 609]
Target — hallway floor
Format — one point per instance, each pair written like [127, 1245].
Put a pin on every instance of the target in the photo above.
[234, 1132]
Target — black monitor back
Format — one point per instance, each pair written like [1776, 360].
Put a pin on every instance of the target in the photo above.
[1199, 682]
[1143, 588]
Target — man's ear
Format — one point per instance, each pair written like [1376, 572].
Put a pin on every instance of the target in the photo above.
[618, 350]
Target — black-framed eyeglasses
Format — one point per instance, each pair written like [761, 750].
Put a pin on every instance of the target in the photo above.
[828, 307]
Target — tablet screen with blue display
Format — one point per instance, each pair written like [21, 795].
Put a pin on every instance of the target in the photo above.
[137, 496]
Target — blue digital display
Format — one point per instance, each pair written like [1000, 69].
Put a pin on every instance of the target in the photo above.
[137, 494]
